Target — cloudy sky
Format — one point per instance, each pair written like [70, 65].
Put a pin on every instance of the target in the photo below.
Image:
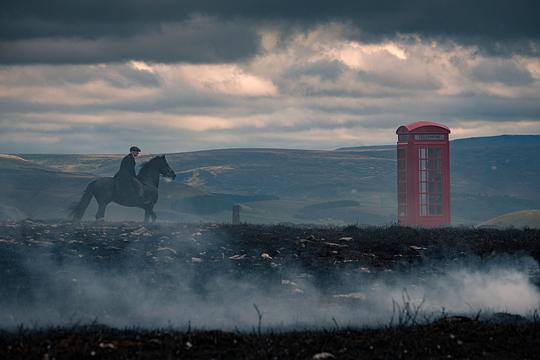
[91, 76]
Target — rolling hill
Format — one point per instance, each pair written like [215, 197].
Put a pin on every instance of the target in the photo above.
[490, 176]
[294, 185]
[34, 190]
[518, 219]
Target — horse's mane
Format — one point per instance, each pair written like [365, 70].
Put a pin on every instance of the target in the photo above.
[145, 165]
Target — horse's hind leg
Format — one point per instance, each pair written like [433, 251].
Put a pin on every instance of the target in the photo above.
[100, 214]
[153, 215]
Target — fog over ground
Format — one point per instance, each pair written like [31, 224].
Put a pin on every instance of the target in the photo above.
[177, 295]
[96, 77]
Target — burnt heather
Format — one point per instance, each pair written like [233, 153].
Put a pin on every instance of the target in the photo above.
[64, 276]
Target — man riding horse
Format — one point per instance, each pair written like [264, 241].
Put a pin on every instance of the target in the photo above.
[126, 187]
[126, 182]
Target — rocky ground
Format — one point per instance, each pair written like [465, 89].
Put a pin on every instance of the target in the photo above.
[37, 261]
[259, 248]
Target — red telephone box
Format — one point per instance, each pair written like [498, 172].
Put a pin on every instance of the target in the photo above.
[423, 174]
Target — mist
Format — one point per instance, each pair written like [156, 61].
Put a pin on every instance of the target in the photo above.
[179, 294]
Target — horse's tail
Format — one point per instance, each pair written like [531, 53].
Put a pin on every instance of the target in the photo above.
[76, 210]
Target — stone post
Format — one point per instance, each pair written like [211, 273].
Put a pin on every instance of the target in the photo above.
[236, 214]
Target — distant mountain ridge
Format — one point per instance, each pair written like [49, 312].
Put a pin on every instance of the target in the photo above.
[500, 139]
[478, 141]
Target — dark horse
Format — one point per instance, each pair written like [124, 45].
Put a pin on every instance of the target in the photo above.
[105, 191]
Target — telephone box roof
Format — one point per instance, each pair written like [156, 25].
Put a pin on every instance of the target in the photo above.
[423, 127]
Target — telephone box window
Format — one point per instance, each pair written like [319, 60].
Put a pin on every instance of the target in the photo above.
[402, 181]
[403, 138]
[430, 181]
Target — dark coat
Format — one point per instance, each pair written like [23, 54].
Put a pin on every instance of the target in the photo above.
[127, 168]
[126, 183]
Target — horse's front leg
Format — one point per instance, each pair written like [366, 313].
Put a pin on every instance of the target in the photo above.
[149, 214]
[146, 214]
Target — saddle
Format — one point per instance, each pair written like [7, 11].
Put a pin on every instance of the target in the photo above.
[129, 188]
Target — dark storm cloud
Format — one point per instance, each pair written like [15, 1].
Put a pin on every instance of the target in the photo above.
[506, 72]
[498, 18]
[196, 40]
[325, 70]
[116, 30]
[467, 106]
[119, 75]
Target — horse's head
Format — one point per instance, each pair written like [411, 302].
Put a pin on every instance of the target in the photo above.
[164, 168]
